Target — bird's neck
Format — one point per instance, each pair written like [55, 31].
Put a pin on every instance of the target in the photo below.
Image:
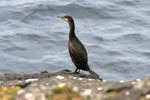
[72, 29]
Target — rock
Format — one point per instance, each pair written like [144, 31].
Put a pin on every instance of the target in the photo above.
[41, 86]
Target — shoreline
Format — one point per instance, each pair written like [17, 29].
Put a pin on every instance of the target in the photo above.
[42, 85]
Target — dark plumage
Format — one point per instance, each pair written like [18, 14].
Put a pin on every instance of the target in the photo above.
[77, 50]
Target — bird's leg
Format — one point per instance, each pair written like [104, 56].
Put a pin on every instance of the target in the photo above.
[77, 70]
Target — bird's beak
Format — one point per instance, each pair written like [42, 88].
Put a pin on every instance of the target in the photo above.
[62, 18]
[59, 17]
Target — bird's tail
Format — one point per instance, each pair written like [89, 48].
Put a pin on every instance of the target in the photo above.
[94, 74]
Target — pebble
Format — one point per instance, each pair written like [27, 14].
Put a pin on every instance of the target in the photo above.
[87, 92]
[61, 84]
[31, 80]
[127, 93]
[104, 81]
[75, 89]
[28, 95]
[121, 81]
[148, 96]
[74, 77]
[90, 79]
[100, 88]
[59, 77]
[80, 79]
[133, 82]
[20, 91]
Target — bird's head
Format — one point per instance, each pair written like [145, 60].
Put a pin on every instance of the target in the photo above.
[66, 18]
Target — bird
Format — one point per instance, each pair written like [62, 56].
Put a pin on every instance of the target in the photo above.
[76, 49]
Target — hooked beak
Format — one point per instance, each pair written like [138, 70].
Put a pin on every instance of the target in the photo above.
[62, 18]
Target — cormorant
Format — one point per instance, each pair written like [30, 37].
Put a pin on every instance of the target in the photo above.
[77, 50]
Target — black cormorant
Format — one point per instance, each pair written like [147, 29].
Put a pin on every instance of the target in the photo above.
[77, 50]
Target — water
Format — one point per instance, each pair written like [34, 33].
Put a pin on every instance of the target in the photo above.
[115, 33]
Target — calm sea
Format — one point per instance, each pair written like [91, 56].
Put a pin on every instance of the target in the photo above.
[116, 34]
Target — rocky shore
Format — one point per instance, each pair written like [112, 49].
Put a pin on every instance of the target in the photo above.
[64, 85]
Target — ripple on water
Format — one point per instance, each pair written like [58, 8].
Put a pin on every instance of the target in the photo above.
[115, 34]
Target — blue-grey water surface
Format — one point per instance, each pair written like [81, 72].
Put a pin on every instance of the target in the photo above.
[116, 34]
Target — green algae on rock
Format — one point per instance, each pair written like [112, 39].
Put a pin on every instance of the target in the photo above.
[63, 93]
[8, 93]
